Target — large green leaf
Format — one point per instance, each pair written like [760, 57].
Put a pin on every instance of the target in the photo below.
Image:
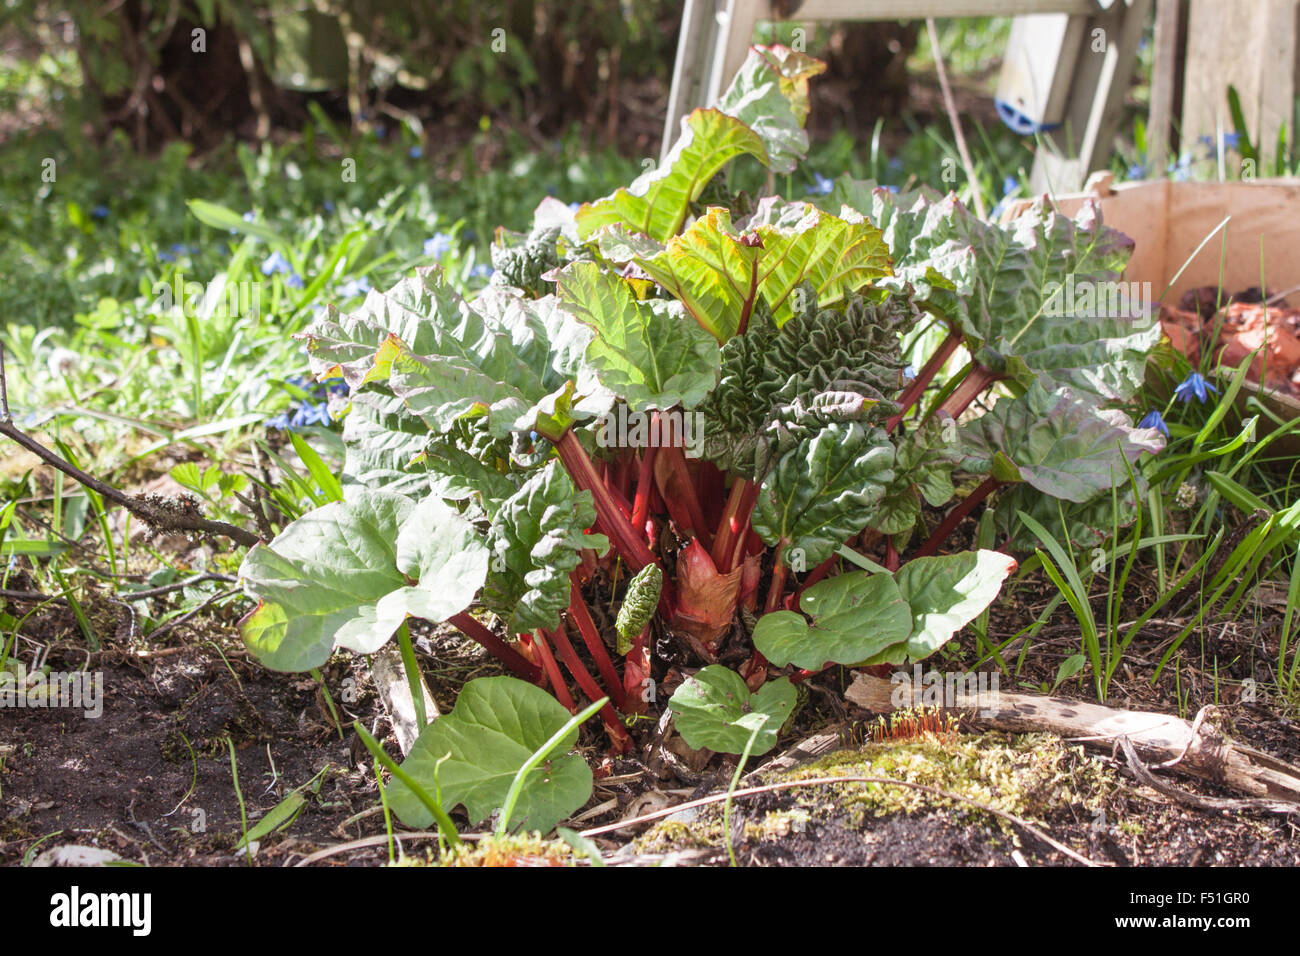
[923, 465]
[659, 199]
[804, 244]
[947, 592]
[472, 756]
[348, 574]
[715, 709]
[645, 352]
[712, 270]
[516, 360]
[717, 273]
[1057, 442]
[761, 114]
[536, 539]
[1038, 296]
[770, 95]
[854, 616]
[1084, 525]
[824, 490]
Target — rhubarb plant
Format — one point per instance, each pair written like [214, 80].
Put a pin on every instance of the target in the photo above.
[683, 407]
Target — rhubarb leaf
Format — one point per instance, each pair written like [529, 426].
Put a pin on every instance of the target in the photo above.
[1057, 442]
[947, 592]
[646, 352]
[923, 465]
[824, 490]
[770, 95]
[712, 270]
[802, 243]
[853, 616]
[715, 709]
[536, 538]
[780, 386]
[472, 755]
[1037, 296]
[659, 199]
[341, 576]
[761, 114]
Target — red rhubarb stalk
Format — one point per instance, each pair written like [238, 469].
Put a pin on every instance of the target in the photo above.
[644, 486]
[954, 518]
[612, 519]
[599, 653]
[678, 490]
[515, 662]
[916, 388]
[558, 685]
[972, 386]
[617, 733]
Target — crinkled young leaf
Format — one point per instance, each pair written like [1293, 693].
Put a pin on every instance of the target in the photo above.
[715, 709]
[853, 616]
[824, 490]
[340, 576]
[496, 725]
[639, 604]
[1057, 442]
[536, 539]
[648, 353]
[778, 387]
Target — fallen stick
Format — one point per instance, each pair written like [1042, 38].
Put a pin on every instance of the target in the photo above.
[1159, 739]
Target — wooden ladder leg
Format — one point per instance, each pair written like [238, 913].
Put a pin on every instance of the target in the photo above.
[1102, 73]
[695, 44]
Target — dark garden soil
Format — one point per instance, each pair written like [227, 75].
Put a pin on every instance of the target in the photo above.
[150, 780]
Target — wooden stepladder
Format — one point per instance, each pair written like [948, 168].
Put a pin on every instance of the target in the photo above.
[1067, 66]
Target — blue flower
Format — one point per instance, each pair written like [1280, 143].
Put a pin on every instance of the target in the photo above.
[909, 373]
[336, 386]
[310, 414]
[415, 152]
[279, 422]
[354, 287]
[1153, 419]
[100, 212]
[1009, 185]
[275, 263]
[438, 246]
[294, 281]
[328, 205]
[1137, 171]
[482, 270]
[1194, 385]
[1181, 170]
[574, 206]
[821, 187]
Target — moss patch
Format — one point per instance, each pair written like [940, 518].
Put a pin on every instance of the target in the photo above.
[1032, 776]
